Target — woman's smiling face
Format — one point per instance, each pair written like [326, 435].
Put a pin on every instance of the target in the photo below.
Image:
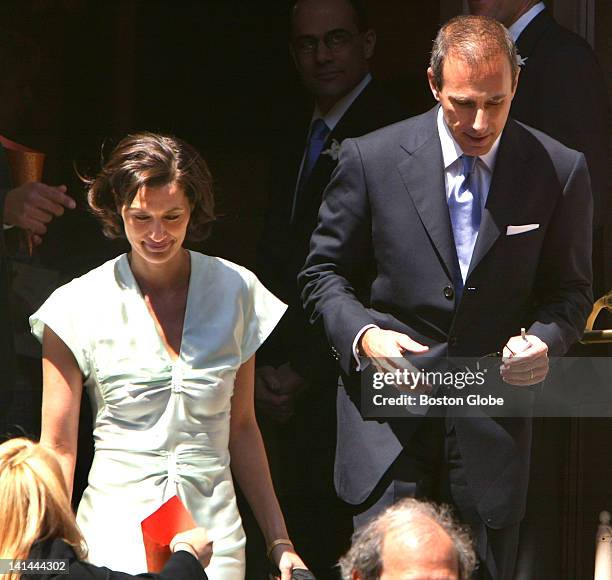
[156, 223]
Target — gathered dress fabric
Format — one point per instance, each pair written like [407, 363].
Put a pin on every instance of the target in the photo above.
[161, 426]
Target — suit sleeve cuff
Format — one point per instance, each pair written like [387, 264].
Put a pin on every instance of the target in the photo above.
[361, 362]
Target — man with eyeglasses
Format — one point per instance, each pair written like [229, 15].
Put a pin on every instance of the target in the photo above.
[331, 45]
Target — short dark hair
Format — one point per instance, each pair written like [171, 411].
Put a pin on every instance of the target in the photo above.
[474, 39]
[152, 160]
[361, 14]
[365, 553]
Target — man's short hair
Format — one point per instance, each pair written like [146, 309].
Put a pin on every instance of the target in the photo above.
[361, 15]
[365, 553]
[474, 39]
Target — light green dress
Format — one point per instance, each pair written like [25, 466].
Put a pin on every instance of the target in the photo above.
[161, 428]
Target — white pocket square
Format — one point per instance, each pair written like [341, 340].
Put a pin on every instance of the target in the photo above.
[513, 230]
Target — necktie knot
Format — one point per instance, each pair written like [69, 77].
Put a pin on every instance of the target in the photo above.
[319, 130]
[468, 164]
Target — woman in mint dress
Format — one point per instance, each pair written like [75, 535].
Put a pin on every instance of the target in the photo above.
[163, 339]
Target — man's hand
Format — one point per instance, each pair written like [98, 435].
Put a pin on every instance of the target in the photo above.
[269, 396]
[386, 347]
[525, 361]
[33, 205]
[291, 382]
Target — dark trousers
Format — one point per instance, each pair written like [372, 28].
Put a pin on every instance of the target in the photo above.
[432, 469]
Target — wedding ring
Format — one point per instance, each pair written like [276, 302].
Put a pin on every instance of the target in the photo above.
[532, 374]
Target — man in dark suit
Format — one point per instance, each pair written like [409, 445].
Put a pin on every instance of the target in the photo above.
[331, 44]
[29, 207]
[556, 61]
[445, 234]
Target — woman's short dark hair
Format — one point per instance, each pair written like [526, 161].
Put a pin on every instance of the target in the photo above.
[152, 160]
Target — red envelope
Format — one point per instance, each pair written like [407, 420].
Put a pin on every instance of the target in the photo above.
[160, 527]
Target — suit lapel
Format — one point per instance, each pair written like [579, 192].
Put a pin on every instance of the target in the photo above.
[507, 186]
[317, 180]
[423, 175]
[363, 116]
[529, 38]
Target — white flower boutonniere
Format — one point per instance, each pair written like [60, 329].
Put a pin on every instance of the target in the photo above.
[333, 151]
[520, 60]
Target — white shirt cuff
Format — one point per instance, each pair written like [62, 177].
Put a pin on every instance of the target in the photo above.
[362, 362]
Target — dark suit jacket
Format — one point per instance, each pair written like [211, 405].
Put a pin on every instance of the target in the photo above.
[562, 92]
[181, 566]
[383, 253]
[284, 244]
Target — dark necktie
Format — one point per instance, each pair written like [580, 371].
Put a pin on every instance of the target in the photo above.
[316, 140]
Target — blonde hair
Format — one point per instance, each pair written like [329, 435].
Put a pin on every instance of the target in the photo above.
[34, 500]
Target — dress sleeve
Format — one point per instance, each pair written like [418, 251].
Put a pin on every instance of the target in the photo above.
[63, 313]
[262, 312]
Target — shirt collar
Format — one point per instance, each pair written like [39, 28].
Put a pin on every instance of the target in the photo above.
[333, 116]
[517, 27]
[451, 150]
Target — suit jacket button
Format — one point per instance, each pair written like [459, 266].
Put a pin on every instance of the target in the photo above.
[449, 292]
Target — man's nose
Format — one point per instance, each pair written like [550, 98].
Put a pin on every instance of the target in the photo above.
[322, 52]
[481, 121]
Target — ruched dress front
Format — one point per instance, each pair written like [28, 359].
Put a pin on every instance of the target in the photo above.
[161, 427]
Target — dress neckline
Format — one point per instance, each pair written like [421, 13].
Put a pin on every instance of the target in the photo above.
[124, 264]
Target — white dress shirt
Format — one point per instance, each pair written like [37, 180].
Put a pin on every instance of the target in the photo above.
[453, 167]
[517, 27]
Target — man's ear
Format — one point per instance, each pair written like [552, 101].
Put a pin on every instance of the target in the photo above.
[369, 43]
[432, 84]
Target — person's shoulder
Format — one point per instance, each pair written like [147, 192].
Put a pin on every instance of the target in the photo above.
[91, 283]
[551, 145]
[225, 273]
[378, 106]
[51, 549]
[410, 132]
[542, 148]
[559, 46]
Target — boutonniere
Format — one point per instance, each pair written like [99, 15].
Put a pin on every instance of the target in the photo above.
[520, 60]
[333, 151]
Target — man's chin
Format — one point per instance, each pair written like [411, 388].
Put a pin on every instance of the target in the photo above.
[476, 148]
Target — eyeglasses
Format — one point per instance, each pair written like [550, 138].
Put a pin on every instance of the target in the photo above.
[334, 40]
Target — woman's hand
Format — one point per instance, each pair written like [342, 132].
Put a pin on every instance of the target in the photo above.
[287, 560]
[196, 542]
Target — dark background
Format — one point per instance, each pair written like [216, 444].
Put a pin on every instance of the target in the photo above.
[216, 73]
[77, 75]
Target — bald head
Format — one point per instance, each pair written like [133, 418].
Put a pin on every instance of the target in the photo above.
[419, 550]
[410, 540]
[505, 11]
